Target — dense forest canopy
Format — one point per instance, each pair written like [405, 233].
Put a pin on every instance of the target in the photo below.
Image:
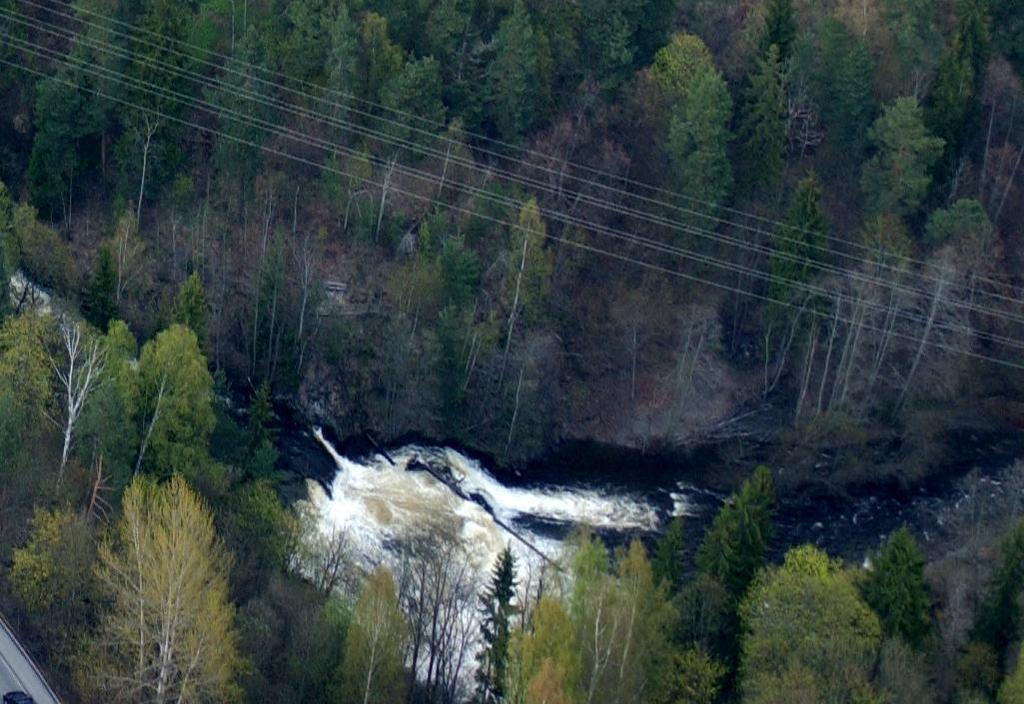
[504, 223]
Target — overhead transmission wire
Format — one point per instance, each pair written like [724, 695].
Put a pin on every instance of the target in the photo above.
[881, 254]
[657, 246]
[1010, 342]
[579, 245]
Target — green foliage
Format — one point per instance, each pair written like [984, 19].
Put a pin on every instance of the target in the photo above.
[696, 677]
[897, 177]
[68, 118]
[529, 265]
[6, 234]
[799, 244]
[622, 622]
[107, 428]
[191, 309]
[999, 614]
[807, 631]
[1012, 691]
[52, 573]
[306, 48]
[701, 110]
[261, 455]
[415, 90]
[459, 269]
[549, 640]
[779, 29]
[163, 571]
[678, 64]
[497, 611]
[896, 590]
[667, 562]
[380, 58]
[515, 96]
[763, 127]
[99, 304]
[342, 66]
[734, 546]
[237, 154]
[706, 617]
[175, 413]
[25, 370]
[978, 670]
[374, 648]
[260, 532]
[903, 674]
[43, 254]
[965, 223]
[953, 110]
[608, 40]
[840, 71]
[915, 40]
[1008, 31]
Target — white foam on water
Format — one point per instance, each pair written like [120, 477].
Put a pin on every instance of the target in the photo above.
[379, 504]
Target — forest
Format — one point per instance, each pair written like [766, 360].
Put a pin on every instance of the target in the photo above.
[508, 225]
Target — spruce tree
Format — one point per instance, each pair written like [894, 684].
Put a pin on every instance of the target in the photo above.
[999, 616]
[99, 300]
[779, 28]
[842, 80]
[799, 243]
[953, 105]
[734, 546]
[497, 610]
[763, 128]
[260, 455]
[668, 556]
[896, 590]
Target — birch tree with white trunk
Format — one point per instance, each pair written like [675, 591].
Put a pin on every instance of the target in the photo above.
[78, 374]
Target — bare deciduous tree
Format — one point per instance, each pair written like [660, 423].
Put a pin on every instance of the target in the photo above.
[79, 373]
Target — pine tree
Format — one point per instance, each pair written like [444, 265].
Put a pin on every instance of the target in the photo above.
[896, 590]
[497, 610]
[763, 128]
[799, 244]
[734, 546]
[779, 28]
[668, 556]
[896, 179]
[99, 301]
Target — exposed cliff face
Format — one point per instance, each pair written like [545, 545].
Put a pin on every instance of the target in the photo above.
[668, 397]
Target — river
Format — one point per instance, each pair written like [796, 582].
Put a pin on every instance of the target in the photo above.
[381, 499]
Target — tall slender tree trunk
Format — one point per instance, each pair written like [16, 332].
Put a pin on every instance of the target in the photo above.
[925, 334]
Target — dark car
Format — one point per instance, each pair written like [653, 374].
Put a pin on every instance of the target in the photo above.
[18, 698]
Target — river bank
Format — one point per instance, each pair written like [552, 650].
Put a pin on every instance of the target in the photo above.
[848, 520]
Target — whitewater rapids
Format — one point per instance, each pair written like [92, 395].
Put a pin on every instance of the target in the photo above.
[380, 505]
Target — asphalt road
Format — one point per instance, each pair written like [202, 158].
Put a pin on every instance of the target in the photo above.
[17, 672]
